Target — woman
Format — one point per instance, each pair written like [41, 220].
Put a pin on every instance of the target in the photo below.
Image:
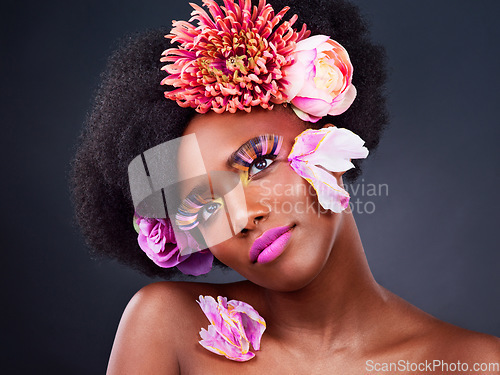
[309, 285]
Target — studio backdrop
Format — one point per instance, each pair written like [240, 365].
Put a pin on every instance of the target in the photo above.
[426, 204]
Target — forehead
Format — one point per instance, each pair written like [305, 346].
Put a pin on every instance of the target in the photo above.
[219, 135]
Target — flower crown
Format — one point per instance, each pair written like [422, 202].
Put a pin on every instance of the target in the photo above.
[237, 57]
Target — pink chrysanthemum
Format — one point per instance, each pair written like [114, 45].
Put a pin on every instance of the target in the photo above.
[233, 59]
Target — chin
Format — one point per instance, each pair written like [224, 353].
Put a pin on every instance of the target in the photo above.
[286, 276]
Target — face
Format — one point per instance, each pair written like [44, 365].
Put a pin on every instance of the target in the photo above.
[272, 195]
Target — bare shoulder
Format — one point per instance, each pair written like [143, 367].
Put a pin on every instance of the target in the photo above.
[466, 345]
[427, 337]
[153, 324]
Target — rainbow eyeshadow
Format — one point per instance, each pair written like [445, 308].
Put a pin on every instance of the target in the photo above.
[188, 214]
[195, 209]
[263, 145]
[186, 217]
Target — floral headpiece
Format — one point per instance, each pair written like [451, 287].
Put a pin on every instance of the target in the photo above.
[238, 57]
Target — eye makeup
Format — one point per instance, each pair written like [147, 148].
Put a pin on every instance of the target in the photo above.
[263, 145]
[194, 210]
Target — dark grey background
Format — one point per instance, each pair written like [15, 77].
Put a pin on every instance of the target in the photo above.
[432, 240]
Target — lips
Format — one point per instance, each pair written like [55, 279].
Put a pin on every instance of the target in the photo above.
[270, 244]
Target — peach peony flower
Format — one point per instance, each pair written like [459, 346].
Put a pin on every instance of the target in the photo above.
[234, 326]
[316, 152]
[320, 79]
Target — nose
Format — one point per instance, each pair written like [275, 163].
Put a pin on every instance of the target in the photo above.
[257, 212]
[246, 204]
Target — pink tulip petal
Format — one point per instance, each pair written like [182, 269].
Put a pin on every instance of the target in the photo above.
[211, 340]
[211, 309]
[335, 150]
[307, 142]
[330, 195]
[304, 170]
[219, 317]
[317, 153]
[253, 323]
[234, 326]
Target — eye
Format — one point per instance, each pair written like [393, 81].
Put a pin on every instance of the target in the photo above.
[259, 165]
[209, 209]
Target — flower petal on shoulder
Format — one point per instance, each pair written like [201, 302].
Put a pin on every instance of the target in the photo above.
[214, 342]
[210, 308]
[254, 324]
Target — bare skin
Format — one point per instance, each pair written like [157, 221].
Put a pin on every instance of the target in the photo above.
[324, 311]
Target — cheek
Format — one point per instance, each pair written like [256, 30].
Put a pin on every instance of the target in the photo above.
[289, 198]
[231, 253]
[285, 192]
[221, 241]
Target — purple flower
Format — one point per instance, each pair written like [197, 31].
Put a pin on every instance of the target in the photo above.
[171, 249]
[234, 326]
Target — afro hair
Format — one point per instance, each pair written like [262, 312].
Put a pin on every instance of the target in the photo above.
[130, 115]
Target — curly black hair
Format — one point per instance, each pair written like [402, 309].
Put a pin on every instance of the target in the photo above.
[130, 115]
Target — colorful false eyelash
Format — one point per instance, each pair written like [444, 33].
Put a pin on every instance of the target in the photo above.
[263, 145]
[187, 216]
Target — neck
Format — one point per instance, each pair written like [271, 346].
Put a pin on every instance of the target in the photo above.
[337, 303]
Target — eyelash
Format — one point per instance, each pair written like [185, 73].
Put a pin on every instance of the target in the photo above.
[257, 149]
[188, 213]
[194, 206]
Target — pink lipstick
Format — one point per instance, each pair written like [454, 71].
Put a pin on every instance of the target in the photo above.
[270, 244]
